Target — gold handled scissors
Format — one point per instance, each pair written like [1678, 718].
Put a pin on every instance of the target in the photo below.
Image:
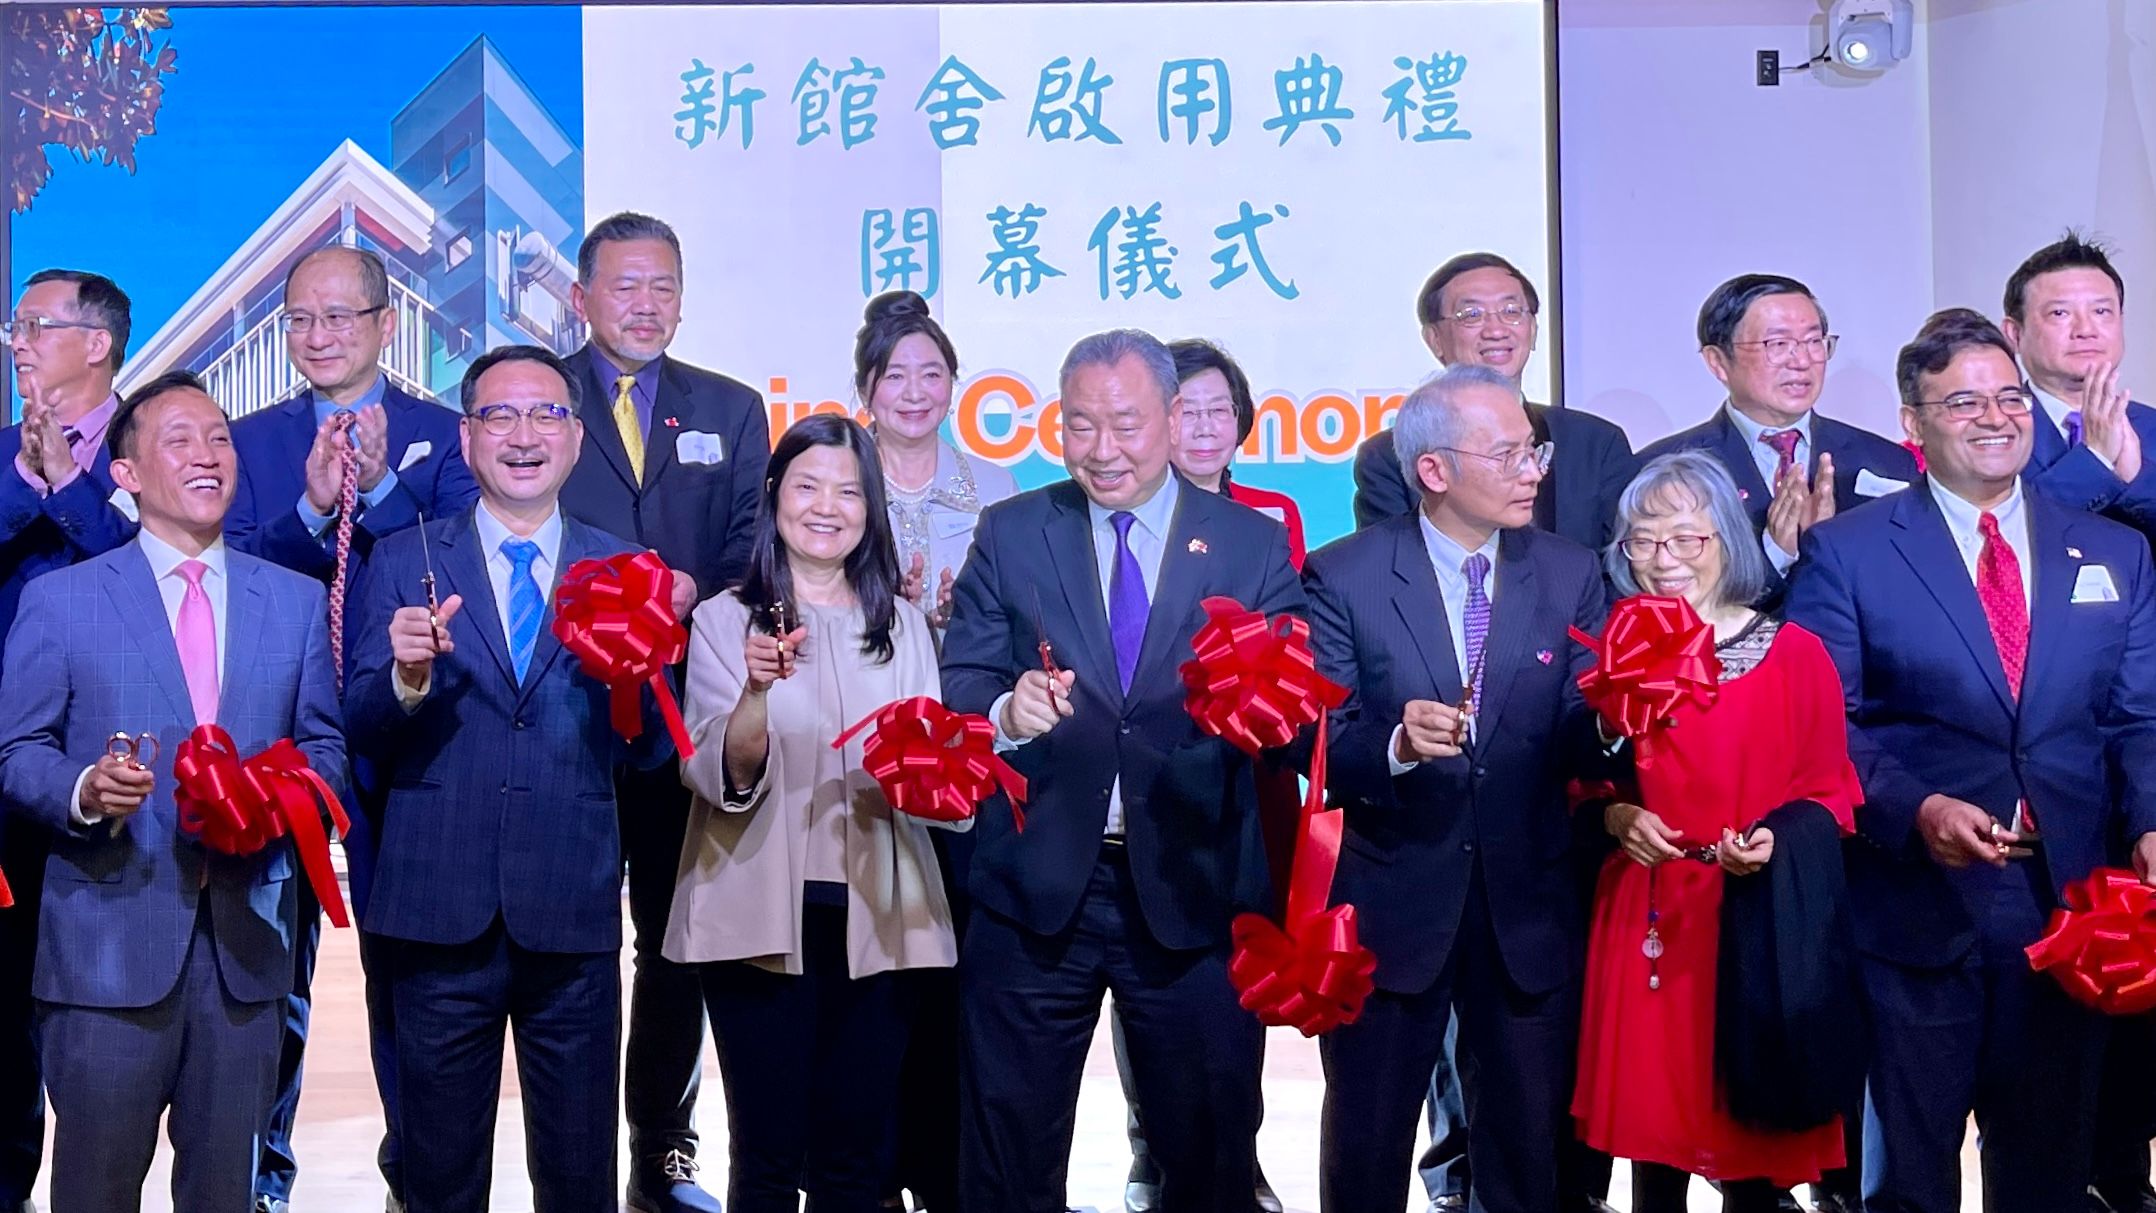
[137, 750]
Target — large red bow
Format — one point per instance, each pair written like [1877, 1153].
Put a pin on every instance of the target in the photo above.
[617, 616]
[935, 763]
[1655, 654]
[2102, 943]
[238, 806]
[1253, 681]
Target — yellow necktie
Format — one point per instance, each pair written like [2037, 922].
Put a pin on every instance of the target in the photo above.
[632, 434]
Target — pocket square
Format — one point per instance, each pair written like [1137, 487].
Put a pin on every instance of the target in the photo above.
[413, 454]
[1870, 484]
[2092, 583]
[124, 501]
[697, 446]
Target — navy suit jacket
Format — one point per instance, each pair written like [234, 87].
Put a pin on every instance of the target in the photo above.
[2075, 476]
[424, 450]
[1885, 589]
[500, 797]
[1854, 451]
[1189, 800]
[1578, 499]
[698, 515]
[1377, 621]
[40, 534]
[92, 653]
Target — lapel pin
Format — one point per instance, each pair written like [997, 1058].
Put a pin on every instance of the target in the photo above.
[1544, 656]
[2074, 552]
[1197, 547]
[1742, 495]
[673, 423]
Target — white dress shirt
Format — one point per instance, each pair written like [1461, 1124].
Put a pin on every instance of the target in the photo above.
[1149, 543]
[1767, 460]
[1962, 521]
[1447, 557]
[493, 533]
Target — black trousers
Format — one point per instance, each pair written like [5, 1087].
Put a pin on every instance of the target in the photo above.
[23, 847]
[663, 1067]
[811, 1066]
[1029, 1006]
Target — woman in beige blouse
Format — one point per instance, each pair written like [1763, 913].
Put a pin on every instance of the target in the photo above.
[802, 897]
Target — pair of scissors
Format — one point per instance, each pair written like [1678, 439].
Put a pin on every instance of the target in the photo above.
[1040, 632]
[137, 750]
[426, 583]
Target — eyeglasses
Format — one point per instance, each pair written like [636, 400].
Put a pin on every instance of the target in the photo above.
[1681, 547]
[1968, 406]
[1514, 462]
[1512, 314]
[1784, 349]
[336, 320]
[501, 420]
[33, 327]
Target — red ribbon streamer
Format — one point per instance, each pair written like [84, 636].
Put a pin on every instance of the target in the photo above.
[617, 616]
[7, 895]
[1253, 682]
[2102, 944]
[1655, 654]
[934, 763]
[238, 807]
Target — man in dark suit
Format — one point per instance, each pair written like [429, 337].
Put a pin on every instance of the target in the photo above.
[1478, 310]
[1766, 338]
[1142, 832]
[162, 966]
[1455, 853]
[58, 506]
[675, 463]
[354, 431]
[499, 882]
[1998, 651]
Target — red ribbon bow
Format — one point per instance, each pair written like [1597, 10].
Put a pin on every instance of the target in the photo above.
[7, 895]
[238, 807]
[2102, 944]
[617, 616]
[934, 763]
[1253, 681]
[1655, 654]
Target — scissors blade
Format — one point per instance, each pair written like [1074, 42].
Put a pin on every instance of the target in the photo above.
[1040, 635]
[426, 558]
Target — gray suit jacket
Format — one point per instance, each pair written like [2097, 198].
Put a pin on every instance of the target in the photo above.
[92, 653]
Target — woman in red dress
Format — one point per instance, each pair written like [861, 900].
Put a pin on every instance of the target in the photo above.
[1217, 416]
[1775, 734]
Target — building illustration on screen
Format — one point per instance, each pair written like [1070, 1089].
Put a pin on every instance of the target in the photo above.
[482, 195]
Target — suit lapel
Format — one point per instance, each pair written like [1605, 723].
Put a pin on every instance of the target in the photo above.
[669, 402]
[1070, 551]
[464, 567]
[1924, 541]
[1175, 588]
[1737, 457]
[245, 616]
[1415, 592]
[597, 411]
[2050, 443]
[132, 585]
[2051, 590]
[1828, 439]
[576, 544]
[296, 434]
[1514, 605]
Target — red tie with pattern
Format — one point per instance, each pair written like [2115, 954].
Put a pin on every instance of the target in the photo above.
[347, 504]
[1784, 443]
[1998, 587]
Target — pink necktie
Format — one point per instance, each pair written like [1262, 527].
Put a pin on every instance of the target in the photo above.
[197, 637]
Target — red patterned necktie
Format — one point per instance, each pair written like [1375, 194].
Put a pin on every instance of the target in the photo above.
[1998, 587]
[347, 504]
[1784, 443]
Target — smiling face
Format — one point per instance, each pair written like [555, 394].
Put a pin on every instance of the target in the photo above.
[1118, 434]
[1207, 424]
[1976, 459]
[1769, 391]
[338, 365]
[523, 469]
[633, 301]
[1492, 342]
[63, 364]
[180, 467]
[822, 507]
[910, 399]
[1676, 520]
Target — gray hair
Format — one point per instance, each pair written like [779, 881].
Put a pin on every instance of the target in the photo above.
[626, 225]
[1669, 479]
[1113, 346]
[1429, 419]
[373, 275]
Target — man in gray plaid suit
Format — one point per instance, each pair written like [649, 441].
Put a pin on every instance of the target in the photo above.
[162, 967]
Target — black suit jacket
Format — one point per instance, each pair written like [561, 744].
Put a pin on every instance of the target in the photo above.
[1189, 801]
[698, 516]
[1377, 623]
[1578, 499]
[1855, 451]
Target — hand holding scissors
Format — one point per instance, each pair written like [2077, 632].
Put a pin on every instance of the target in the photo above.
[417, 635]
[121, 781]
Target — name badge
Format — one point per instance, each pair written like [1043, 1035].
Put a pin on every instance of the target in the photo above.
[2092, 583]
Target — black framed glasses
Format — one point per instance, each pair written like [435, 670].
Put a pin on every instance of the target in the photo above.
[501, 420]
[335, 320]
[1512, 315]
[33, 327]
[1968, 406]
[1783, 350]
[1682, 547]
[1514, 462]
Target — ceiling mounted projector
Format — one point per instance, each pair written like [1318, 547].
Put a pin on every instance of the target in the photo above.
[1869, 35]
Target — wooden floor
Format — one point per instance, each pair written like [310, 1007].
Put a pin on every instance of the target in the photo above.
[340, 1120]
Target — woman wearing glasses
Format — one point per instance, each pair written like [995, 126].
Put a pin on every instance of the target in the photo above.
[1773, 737]
[1217, 416]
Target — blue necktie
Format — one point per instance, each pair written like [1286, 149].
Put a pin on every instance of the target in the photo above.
[1127, 606]
[526, 604]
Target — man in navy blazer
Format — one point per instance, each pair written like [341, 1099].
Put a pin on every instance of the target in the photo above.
[162, 966]
[338, 318]
[58, 505]
[1998, 652]
[1457, 839]
[499, 881]
[674, 461]
[1765, 337]
[1141, 839]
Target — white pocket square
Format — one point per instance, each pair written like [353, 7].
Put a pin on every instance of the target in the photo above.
[124, 501]
[2092, 583]
[414, 453]
[1870, 484]
[696, 446]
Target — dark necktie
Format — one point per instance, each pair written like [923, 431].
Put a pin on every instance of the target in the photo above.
[1127, 605]
[1784, 443]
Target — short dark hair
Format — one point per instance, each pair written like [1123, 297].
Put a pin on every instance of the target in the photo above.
[2073, 251]
[889, 319]
[127, 419]
[468, 390]
[872, 566]
[373, 275]
[1429, 307]
[1945, 334]
[1195, 355]
[624, 225]
[1725, 309]
[99, 301]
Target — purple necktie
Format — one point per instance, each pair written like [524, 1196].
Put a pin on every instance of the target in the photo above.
[1126, 600]
[2073, 428]
[1475, 621]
